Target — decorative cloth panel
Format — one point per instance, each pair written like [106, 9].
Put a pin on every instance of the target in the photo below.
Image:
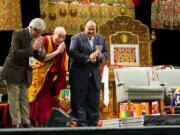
[73, 14]
[10, 15]
[165, 14]
[124, 54]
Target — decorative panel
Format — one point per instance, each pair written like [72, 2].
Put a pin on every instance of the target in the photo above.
[124, 49]
[165, 14]
[72, 14]
[10, 15]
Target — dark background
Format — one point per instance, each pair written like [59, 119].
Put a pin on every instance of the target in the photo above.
[164, 49]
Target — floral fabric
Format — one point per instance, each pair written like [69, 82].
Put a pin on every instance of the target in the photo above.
[10, 15]
[165, 14]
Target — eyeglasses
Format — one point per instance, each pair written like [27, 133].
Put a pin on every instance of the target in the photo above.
[63, 37]
[39, 32]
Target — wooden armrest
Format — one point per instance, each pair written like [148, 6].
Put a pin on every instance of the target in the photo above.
[120, 84]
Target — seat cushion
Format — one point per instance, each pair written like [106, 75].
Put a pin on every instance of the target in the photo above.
[144, 93]
[145, 89]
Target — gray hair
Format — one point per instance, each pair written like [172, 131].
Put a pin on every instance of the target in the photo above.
[59, 30]
[38, 24]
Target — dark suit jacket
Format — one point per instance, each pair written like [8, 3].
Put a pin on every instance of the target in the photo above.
[80, 67]
[16, 67]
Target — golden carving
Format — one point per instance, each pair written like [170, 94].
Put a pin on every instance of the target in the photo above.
[10, 15]
[73, 15]
[73, 12]
[52, 16]
[128, 24]
[62, 12]
[122, 11]
[124, 38]
[153, 35]
[43, 15]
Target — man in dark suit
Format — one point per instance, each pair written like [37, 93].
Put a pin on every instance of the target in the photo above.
[17, 70]
[84, 74]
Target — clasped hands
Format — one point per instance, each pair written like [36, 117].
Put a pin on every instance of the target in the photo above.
[93, 56]
[37, 44]
[61, 47]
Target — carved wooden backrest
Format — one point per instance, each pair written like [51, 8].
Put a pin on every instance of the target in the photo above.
[128, 24]
[124, 49]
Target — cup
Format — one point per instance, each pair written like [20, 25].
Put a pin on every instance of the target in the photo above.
[1, 97]
[99, 47]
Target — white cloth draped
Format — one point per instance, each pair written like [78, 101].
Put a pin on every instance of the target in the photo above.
[105, 80]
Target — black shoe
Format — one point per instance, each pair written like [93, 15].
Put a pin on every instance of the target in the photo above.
[17, 126]
[82, 124]
[27, 125]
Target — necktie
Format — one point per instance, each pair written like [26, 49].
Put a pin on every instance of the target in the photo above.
[91, 42]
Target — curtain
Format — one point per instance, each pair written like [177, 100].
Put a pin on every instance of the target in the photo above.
[72, 15]
[165, 14]
[10, 15]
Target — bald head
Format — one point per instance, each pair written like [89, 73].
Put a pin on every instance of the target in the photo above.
[90, 28]
[59, 35]
[60, 30]
[90, 23]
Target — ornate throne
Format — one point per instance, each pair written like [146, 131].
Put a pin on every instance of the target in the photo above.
[124, 31]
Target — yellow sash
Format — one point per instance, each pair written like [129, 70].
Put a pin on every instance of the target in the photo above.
[40, 71]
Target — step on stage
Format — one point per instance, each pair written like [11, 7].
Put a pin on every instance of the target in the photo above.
[153, 125]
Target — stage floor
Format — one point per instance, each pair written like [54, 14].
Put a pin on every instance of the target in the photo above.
[149, 130]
